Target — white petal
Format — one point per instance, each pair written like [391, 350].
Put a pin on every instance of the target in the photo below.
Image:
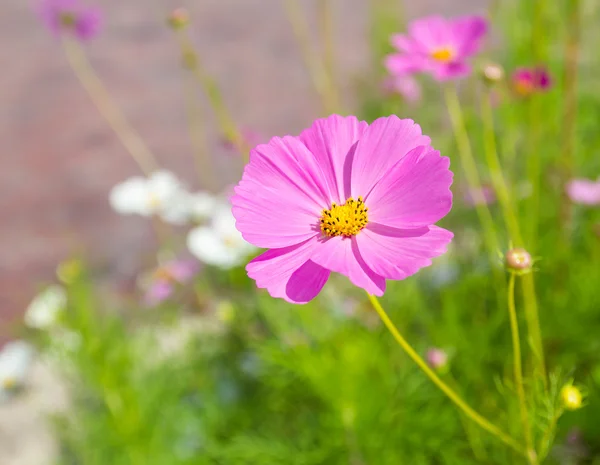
[44, 309]
[131, 197]
[202, 205]
[212, 248]
[15, 359]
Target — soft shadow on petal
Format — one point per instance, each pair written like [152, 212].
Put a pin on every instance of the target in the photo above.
[468, 33]
[282, 272]
[397, 254]
[330, 140]
[415, 192]
[384, 143]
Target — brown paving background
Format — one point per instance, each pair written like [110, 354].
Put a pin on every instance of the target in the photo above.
[59, 159]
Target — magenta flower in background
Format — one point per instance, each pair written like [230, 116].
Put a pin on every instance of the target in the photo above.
[162, 282]
[584, 191]
[70, 16]
[437, 358]
[526, 81]
[407, 86]
[438, 46]
[344, 196]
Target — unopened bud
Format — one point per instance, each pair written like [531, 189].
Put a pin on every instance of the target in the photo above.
[518, 260]
[492, 73]
[571, 397]
[179, 19]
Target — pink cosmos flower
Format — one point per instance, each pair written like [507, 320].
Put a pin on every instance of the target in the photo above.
[584, 191]
[526, 81]
[437, 46]
[164, 279]
[344, 196]
[70, 16]
[407, 86]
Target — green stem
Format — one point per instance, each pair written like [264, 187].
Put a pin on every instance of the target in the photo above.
[316, 68]
[107, 108]
[471, 174]
[533, 326]
[518, 370]
[500, 186]
[569, 110]
[326, 22]
[451, 394]
[211, 89]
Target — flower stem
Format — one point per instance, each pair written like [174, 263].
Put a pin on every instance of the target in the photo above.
[500, 186]
[107, 108]
[213, 93]
[316, 68]
[470, 170]
[569, 110]
[452, 395]
[326, 15]
[518, 371]
[533, 326]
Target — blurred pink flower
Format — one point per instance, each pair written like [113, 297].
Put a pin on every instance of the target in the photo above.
[483, 196]
[437, 358]
[407, 86]
[347, 197]
[437, 46]
[164, 279]
[72, 16]
[584, 191]
[526, 81]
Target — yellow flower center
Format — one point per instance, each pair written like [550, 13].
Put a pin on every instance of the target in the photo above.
[68, 19]
[443, 55]
[8, 383]
[524, 87]
[344, 220]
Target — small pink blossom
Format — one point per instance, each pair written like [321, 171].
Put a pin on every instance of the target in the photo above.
[71, 16]
[163, 280]
[584, 191]
[526, 81]
[438, 46]
[406, 86]
[437, 358]
[483, 196]
[347, 197]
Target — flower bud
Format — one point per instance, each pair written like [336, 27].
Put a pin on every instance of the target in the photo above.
[492, 73]
[179, 19]
[571, 397]
[518, 260]
[437, 358]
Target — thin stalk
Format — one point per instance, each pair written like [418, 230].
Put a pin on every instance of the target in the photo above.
[569, 109]
[314, 65]
[471, 173]
[533, 326]
[451, 394]
[107, 108]
[534, 133]
[518, 371]
[213, 93]
[206, 174]
[325, 14]
[500, 186]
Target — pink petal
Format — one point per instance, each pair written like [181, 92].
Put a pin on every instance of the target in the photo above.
[468, 34]
[415, 192]
[385, 142]
[341, 254]
[281, 195]
[449, 71]
[401, 65]
[330, 140]
[288, 273]
[584, 191]
[432, 32]
[397, 254]
[404, 43]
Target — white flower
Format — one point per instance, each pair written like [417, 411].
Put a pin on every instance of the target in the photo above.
[44, 309]
[161, 194]
[220, 243]
[15, 359]
[202, 205]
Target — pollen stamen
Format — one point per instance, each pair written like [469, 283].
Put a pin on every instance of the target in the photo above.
[444, 54]
[344, 220]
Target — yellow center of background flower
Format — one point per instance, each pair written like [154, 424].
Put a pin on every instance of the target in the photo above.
[443, 54]
[344, 220]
